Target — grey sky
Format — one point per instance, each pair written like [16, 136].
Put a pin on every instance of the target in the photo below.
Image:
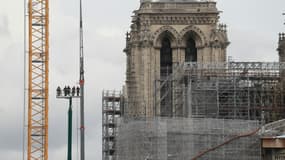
[253, 29]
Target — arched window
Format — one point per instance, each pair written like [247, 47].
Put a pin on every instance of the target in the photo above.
[165, 57]
[191, 51]
[166, 70]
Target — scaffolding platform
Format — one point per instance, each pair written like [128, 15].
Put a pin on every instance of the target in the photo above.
[111, 111]
[233, 90]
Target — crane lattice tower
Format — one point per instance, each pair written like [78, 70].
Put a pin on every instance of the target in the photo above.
[38, 79]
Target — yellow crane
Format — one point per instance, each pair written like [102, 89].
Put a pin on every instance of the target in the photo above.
[38, 79]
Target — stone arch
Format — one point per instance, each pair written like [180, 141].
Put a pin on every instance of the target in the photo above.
[165, 31]
[195, 33]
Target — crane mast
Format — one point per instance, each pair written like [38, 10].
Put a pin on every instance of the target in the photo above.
[38, 76]
[82, 82]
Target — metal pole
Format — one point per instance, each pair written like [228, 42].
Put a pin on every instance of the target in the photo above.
[81, 81]
[69, 150]
[155, 96]
[25, 82]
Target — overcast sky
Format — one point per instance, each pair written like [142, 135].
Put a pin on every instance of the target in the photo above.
[253, 32]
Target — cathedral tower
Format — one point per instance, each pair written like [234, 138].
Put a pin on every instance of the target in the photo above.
[165, 33]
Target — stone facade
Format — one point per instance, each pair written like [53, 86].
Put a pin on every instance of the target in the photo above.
[178, 22]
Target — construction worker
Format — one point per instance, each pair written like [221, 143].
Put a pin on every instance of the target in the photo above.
[73, 91]
[68, 90]
[58, 91]
[77, 91]
[65, 91]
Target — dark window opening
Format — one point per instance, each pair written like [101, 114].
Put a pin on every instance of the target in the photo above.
[166, 57]
[166, 70]
[191, 51]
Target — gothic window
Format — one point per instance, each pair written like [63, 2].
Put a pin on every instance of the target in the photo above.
[166, 70]
[165, 57]
[190, 51]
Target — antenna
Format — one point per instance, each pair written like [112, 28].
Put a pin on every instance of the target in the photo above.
[81, 82]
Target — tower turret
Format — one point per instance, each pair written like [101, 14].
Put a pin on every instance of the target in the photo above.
[281, 47]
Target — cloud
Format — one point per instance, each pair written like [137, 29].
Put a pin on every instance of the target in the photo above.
[4, 26]
[108, 32]
[250, 45]
[10, 155]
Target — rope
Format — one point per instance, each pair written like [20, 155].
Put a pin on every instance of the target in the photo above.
[225, 143]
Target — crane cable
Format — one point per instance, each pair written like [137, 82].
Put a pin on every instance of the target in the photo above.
[24, 81]
[225, 143]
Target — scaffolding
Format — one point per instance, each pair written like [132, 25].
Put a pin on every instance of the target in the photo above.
[185, 138]
[234, 90]
[205, 111]
[111, 107]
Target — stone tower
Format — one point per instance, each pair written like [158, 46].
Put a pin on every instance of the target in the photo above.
[165, 33]
[281, 47]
